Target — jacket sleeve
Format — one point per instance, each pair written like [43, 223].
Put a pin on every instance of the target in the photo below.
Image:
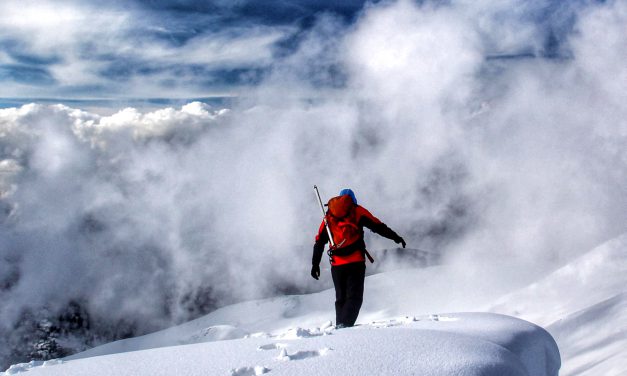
[375, 225]
[318, 249]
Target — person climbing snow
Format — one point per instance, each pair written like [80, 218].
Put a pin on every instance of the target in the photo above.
[346, 220]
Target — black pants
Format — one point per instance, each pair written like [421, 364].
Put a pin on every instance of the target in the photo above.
[349, 291]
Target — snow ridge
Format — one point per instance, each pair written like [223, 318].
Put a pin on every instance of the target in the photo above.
[466, 344]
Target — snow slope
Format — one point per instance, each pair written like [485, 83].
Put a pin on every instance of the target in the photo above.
[293, 334]
[415, 292]
[584, 306]
[459, 344]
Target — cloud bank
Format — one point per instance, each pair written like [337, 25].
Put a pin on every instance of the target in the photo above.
[83, 49]
[488, 133]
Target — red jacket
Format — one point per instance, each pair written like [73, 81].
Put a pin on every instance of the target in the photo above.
[355, 251]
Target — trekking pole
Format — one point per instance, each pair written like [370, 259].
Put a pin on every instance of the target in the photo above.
[324, 217]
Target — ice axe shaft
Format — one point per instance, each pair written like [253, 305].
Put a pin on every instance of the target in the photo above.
[324, 217]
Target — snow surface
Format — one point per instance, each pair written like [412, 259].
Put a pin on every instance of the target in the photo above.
[582, 305]
[459, 344]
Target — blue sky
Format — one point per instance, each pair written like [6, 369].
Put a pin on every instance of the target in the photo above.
[177, 50]
[94, 50]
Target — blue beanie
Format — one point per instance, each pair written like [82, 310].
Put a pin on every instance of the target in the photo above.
[348, 191]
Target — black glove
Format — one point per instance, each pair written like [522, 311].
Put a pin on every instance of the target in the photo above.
[315, 271]
[401, 241]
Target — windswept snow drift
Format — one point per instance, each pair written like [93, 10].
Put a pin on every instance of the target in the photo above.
[460, 344]
[584, 306]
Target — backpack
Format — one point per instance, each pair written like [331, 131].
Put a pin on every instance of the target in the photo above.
[342, 220]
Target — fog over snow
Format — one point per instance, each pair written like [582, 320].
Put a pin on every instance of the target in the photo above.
[491, 133]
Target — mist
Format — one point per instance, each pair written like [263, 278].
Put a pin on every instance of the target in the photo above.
[492, 135]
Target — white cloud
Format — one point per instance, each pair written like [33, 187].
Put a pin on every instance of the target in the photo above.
[82, 40]
[251, 47]
[56, 27]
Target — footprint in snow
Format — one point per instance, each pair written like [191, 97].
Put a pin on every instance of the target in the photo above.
[408, 320]
[272, 346]
[214, 333]
[259, 335]
[249, 371]
[299, 355]
[393, 322]
[442, 318]
[298, 333]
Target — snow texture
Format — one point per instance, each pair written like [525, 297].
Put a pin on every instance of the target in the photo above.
[584, 306]
[461, 344]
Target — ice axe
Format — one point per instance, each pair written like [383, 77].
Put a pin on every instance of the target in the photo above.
[324, 217]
